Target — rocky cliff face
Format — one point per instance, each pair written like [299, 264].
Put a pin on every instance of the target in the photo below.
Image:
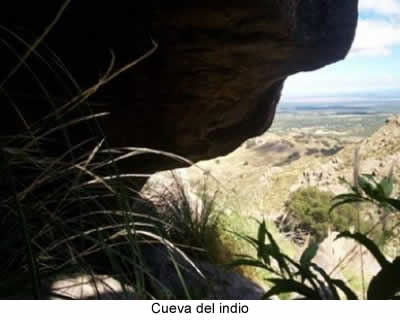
[216, 77]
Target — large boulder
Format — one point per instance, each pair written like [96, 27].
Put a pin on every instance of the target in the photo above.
[214, 81]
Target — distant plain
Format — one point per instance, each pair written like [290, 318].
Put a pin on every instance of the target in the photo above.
[356, 117]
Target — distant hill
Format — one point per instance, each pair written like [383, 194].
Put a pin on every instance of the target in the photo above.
[264, 170]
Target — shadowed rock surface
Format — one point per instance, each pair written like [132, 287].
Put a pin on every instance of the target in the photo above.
[214, 81]
[209, 281]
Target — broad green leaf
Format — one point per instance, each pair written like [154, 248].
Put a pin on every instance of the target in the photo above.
[370, 177]
[340, 203]
[264, 253]
[350, 295]
[274, 245]
[364, 183]
[395, 203]
[328, 280]
[309, 253]
[276, 253]
[346, 196]
[261, 232]
[250, 240]
[369, 244]
[386, 284]
[307, 274]
[262, 250]
[304, 272]
[387, 186]
[369, 189]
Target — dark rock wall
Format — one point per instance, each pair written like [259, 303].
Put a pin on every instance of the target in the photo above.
[215, 79]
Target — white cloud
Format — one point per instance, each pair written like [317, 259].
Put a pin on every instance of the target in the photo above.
[378, 30]
[375, 38]
[383, 7]
[336, 79]
[373, 63]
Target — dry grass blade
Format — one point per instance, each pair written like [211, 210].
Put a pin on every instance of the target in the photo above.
[33, 47]
[117, 177]
[66, 125]
[172, 246]
[93, 153]
[131, 225]
[48, 169]
[132, 151]
[66, 223]
[97, 178]
[84, 95]
[17, 110]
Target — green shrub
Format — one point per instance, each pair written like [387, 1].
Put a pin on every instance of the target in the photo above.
[308, 211]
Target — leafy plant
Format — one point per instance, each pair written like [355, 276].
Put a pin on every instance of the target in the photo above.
[303, 278]
[368, 189]
[386, 283]
[309, 280]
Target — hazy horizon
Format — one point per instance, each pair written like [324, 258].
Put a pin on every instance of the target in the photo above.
[364, 98]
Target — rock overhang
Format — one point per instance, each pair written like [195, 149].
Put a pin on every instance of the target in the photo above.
[217, 75]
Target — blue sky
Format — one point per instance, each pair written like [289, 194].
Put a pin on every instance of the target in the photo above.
[373, 64]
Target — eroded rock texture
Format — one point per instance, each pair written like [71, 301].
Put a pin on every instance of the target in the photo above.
[216, 77]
